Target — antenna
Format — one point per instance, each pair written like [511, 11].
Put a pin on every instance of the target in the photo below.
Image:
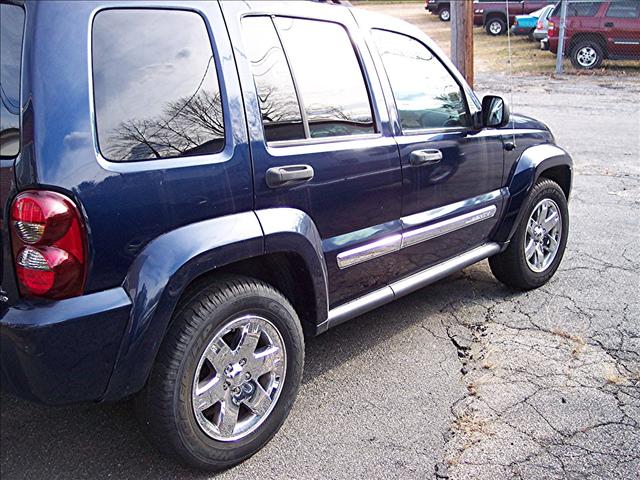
[513, 125]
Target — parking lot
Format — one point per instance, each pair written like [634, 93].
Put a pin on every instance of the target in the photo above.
[465, 379]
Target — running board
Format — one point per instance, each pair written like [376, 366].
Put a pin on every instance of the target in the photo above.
[409, 284]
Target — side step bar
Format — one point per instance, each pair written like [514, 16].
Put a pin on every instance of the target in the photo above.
[409, 284]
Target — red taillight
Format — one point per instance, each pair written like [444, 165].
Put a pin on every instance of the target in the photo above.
[49, 245]
[539, 25]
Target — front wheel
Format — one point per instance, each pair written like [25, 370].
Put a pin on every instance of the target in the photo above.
[444, 14]
[537, 246]
[226, 374]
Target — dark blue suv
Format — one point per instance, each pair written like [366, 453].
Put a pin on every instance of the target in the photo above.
[189, 189]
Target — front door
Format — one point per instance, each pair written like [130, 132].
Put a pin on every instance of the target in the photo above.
[452, 174]
[318, 143]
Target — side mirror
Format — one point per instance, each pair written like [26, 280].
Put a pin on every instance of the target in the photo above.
[495, 112]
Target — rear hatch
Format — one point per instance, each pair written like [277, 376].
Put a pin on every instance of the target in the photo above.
[11, 34]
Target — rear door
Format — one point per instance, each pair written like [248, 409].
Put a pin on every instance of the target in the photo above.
[318, 142]
[622, 28]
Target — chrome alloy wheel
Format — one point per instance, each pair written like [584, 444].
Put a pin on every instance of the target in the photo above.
[445, 15]
[495, 27]
[587, 56]
[542, 240]
[239, 378]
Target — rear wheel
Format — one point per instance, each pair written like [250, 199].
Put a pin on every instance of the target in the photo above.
[587, 55]
[226, 374]
[444, 14]
[537, 246]
[496, 26]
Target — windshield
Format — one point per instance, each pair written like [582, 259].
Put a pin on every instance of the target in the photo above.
[11, 30]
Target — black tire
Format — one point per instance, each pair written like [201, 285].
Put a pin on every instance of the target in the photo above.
[445, 14]
[165, 405]
[510, 266]
[495, 26]
[578, 57]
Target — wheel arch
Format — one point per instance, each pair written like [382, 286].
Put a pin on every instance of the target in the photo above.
[582, 36]
[546, 161]
[249, 243]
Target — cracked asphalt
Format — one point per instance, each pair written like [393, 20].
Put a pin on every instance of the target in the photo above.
[465, 379]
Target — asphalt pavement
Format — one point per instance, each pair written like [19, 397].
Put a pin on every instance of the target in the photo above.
[465, 379]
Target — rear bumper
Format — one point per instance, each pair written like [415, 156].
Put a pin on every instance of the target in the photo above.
[517, 30]
[62, 352]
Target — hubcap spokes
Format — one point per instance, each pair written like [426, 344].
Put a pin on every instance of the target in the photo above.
[495, 27]
[587, 56]
[542, 240]
[239, 378]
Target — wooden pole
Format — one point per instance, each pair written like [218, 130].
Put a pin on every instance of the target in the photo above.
[462, 37]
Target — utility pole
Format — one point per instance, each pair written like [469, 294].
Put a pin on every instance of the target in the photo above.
[462, 37]
[563, 26]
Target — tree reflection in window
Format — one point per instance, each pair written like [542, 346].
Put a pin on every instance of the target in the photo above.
[155, 85]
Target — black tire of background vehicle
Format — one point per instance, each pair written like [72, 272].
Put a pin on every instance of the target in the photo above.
[510, 266]
[445, 14]
[164, 406]
[530, 36]
[492, 24]
[597, 48]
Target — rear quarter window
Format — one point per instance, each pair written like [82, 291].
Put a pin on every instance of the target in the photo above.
[11, 31]
[156, 90]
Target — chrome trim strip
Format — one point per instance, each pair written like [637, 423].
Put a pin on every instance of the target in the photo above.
[396, 242]
[360, 305]
[369, 251]
[409, 284]
[419, 235]
[434, 214]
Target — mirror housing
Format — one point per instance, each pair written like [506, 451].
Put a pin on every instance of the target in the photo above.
[495, 112]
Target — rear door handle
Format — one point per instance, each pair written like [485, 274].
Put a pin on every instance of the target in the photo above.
[288, 175]
[608, 24]
[425, 157]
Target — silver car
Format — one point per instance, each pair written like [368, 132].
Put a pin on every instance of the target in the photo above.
[542, 26]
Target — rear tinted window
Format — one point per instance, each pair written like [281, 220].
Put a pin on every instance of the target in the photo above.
[328, 76]
[581, 9]
[11, 29]
[279, 106]
[155, 85]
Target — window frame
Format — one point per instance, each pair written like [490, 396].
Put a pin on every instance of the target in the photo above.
[308, 140]
[422, 131]
[178, 161]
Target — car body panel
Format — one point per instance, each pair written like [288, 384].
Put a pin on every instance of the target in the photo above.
[155, 227]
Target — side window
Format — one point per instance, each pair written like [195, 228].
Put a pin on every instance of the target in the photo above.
[624, 9]
[330, 83]
[279, 106]
[11, 29]
[155, 84]
[426, 94]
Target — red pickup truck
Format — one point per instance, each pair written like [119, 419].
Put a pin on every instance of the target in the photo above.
[596, 31]
[492, 14]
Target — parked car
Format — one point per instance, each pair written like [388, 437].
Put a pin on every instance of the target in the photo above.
[596, 31]
[542, 25]
[197, 187]
[526, 24]
[492, 14]
[442, 8]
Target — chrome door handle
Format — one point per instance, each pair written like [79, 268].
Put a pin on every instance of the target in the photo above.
[425, 157]
[288, 175]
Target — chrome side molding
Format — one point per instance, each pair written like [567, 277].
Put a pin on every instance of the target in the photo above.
[369, 251]
[396, 242]
[419, 235]
[409, 284]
